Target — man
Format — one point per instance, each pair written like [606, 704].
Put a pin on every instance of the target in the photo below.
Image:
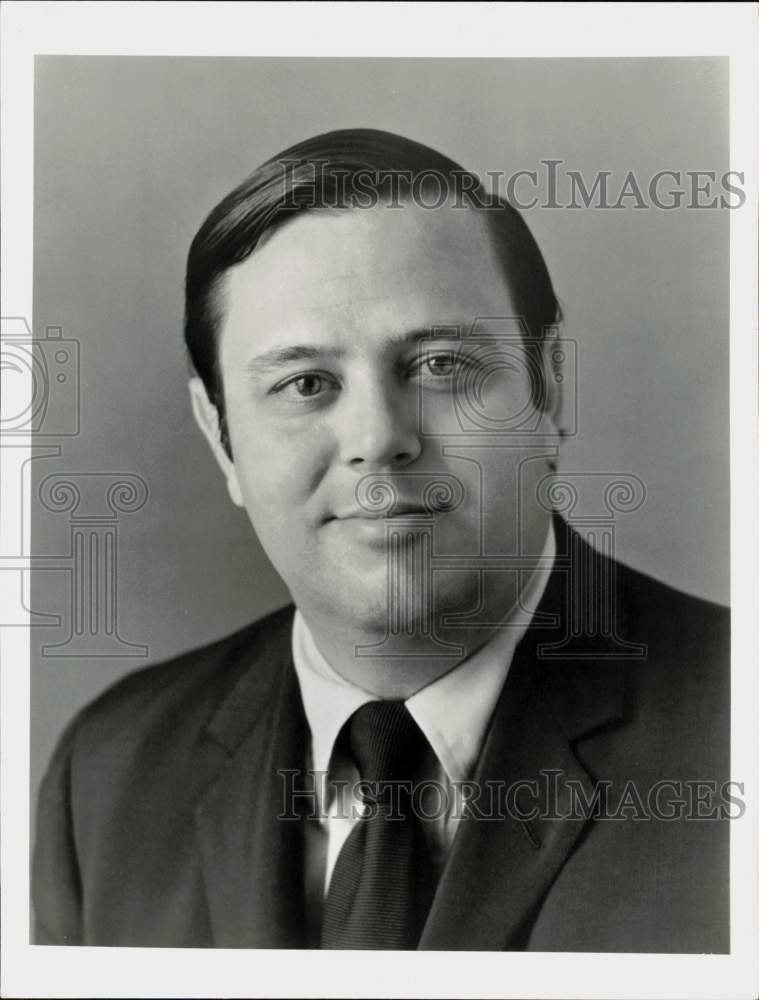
[472, 731]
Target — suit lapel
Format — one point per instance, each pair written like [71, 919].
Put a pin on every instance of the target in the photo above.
[253, 860]
[499, 869]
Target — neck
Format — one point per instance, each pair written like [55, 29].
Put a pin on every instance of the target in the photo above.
[395, 663]
[397, 669]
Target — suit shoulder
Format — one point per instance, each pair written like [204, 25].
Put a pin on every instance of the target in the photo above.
[187, 687]
[644, 597]
[685, 666]
[668, 647]
[639, 600]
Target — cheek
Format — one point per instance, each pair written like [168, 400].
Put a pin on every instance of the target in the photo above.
[277, 468]
[504, 400]
[510, 491]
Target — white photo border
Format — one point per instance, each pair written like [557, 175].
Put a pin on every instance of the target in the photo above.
[369, 29]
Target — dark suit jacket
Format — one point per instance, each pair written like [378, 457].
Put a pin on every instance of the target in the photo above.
[158, 815]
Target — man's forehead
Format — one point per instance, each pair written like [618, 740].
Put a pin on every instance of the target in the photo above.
[381, 267]
[443, 232]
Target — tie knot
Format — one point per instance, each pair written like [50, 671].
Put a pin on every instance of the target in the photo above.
[385, 741]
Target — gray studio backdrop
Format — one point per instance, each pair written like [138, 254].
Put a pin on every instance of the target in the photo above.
[131, 153]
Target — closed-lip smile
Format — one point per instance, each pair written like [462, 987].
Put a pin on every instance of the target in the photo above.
[397, 510]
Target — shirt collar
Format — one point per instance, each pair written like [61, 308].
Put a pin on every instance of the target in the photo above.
[452, 712]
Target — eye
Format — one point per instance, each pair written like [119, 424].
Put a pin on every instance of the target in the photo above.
[440, 364]
[308, 385]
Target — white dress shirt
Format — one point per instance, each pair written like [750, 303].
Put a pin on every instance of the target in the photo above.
[452, 712]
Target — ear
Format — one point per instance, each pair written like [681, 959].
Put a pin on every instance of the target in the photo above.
[551, 368]
[207, 419]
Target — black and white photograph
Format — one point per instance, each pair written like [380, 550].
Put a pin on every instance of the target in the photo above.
[379, 450]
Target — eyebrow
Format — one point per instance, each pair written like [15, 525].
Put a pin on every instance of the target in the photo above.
[269, 361]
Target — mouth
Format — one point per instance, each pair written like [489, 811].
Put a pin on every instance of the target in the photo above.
[399, 510]
[376, 530]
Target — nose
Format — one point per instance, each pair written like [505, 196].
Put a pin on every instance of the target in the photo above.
[378, 428]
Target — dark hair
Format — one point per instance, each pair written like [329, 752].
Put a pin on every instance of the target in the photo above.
[350, 168]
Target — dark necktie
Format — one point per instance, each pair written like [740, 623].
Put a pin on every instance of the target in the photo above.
[382, 883]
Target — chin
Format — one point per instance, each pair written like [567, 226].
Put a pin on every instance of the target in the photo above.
[365, 610]
[370, 609]
[356, 606]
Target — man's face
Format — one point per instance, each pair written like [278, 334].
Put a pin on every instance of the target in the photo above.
[330, 376]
